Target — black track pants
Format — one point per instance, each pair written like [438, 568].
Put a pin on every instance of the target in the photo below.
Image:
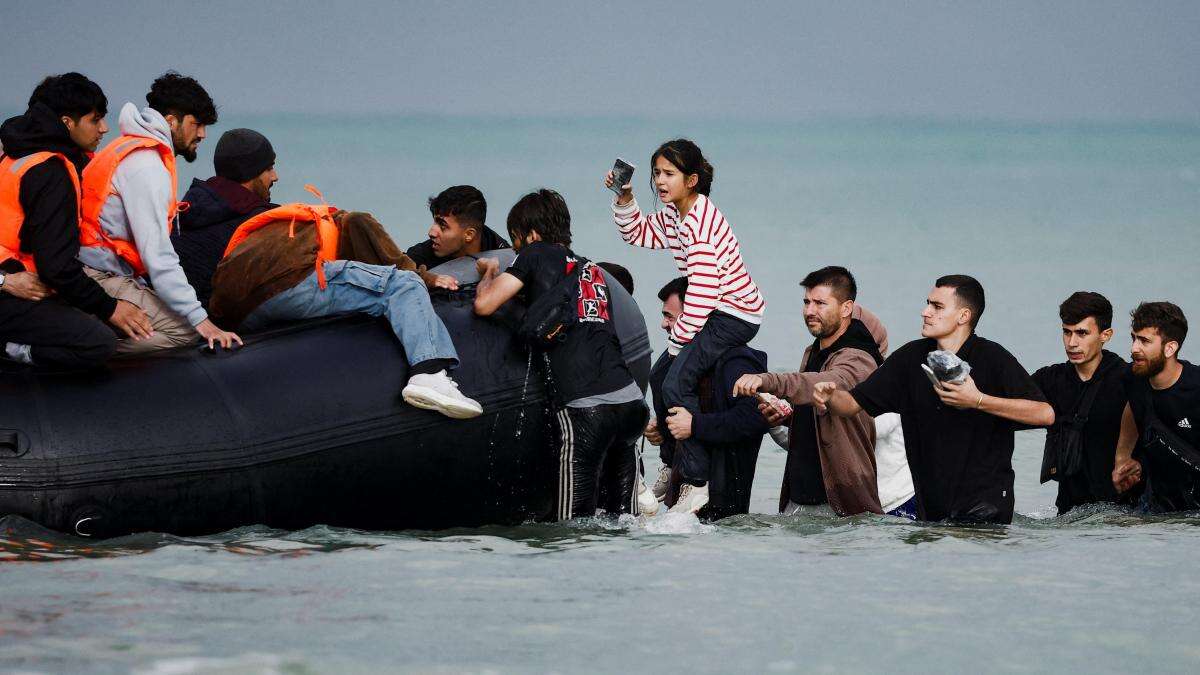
[587, 436]
[60, 335]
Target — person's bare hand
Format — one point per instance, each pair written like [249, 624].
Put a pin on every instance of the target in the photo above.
[445, 281]
[1126, 474]
[962, 395]
[131, 320]
[626, 190]
[747, 385]
[774, 416]
[679, 423]
[822, 392]
[652, 434]
[209, 331]
[26, 285]
[487, 266]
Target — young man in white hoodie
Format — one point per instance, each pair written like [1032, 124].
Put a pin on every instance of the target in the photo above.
[129, 207]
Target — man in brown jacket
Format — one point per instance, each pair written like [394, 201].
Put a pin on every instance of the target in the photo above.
[830, 459]
[273, 274]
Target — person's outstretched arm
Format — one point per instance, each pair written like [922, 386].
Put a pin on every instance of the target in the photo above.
[495, 288]
[637, 229]
[966, 396]
[826, 397]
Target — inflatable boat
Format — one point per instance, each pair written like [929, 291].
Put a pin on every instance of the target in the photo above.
[303, 425]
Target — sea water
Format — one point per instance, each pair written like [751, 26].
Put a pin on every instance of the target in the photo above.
[1034, 211]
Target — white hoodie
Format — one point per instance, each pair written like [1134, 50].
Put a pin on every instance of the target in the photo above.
[136, 213]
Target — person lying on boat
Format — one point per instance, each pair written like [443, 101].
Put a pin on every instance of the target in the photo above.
[303, 261]
[244, 162]
[458, 228]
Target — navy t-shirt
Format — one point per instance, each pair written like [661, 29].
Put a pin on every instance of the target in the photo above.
[589, 361]
[961, 460]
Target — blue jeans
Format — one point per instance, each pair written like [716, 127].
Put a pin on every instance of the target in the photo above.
[377, 290]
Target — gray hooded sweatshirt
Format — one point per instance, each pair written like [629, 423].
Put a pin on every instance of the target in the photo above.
[137, 213]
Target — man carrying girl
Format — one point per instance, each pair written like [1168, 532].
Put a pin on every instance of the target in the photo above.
[723, 307]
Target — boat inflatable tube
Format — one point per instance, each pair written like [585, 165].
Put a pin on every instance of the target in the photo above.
[302, 426]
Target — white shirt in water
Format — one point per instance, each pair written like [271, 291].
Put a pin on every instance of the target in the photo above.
[893, 479]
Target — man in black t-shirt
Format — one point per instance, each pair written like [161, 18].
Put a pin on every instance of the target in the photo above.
[959, 436]
[1159, 441]
[1090, 371]
[457, 230]
[603, 411]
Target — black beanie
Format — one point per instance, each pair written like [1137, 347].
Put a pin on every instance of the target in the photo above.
[242, 154]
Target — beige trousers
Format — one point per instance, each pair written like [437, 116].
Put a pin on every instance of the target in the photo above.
[170, 329]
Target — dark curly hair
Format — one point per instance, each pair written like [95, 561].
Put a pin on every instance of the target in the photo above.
[1083, 304]
[686, 157]
[70, 94]
[544, 212]
[1165, 317]
[179, 95]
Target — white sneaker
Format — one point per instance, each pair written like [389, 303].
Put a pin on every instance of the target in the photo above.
[662, 483]
[647, 504]
[691, 498]
[439, 392]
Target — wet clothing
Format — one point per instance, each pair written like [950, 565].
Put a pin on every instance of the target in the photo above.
[730, 430]
[276, 258]
[590, 439]
[216, 207]
[588, 362]
[961, 460]
[681, 388]
[423, 254]
[1064, 390]
[69, 329]
[831, 459]
[1172, 481]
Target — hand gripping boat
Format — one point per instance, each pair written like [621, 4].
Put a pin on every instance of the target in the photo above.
[302, 426]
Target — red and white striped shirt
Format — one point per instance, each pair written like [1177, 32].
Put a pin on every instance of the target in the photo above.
[705, 250]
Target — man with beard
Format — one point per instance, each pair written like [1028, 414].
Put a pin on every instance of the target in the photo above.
[244, 162]
[130, 206]
[830, 459]
[51, 314]
[1088, 396]
[1161, 417]
[959, 436]
[457, 230]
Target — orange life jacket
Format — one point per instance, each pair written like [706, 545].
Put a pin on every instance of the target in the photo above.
[97, 187]
[319, 215]
[12, 216]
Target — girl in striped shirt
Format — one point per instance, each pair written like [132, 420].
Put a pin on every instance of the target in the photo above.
[723, 307]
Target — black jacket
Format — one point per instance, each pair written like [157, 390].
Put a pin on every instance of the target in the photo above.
[423, 254]
[730, 428]
[216, 207]
[51, 228]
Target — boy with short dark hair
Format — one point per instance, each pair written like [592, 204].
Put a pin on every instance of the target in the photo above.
[603, 411]
[458, 228]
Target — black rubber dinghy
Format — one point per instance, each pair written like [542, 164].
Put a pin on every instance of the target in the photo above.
[302, 426]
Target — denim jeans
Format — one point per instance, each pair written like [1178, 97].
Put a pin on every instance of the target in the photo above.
[681, 387]
[377, 290]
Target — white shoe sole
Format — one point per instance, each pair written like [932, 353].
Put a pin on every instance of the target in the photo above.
[428, 399]
[648, 507]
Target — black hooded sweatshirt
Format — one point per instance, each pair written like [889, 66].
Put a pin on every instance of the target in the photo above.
[216, 207]
[51, 228]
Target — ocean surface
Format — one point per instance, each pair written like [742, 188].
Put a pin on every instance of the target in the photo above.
[1034, 211]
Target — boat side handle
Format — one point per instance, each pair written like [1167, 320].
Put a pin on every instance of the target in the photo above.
[13, 443]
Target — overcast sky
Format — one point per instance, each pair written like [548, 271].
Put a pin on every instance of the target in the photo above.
[1051, 61]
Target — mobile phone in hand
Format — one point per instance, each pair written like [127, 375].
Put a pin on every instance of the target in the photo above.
[622, 173]
[937, 384]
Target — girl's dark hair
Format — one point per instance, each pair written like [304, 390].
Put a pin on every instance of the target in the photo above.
[70, 94]
[544, 212]
[686, 157]
[179, 95]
